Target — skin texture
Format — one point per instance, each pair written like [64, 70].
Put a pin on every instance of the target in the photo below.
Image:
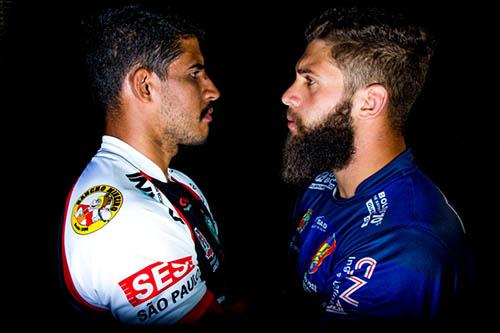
[318, 87]
[156, 116]
[317, 92]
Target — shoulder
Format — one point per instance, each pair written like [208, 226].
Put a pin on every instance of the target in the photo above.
[100, 195]
[127, 210]
[410, 245]
[105, 169]
[414, 197]
[414, 201]
[110, 220]
[128, 249]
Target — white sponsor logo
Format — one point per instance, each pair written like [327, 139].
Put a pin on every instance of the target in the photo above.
[336, 308]
[308, 285]
[319, 223]
[324, 181]
[365, 267]
[376, 206]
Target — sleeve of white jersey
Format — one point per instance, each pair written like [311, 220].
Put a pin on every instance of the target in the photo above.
[141, 267]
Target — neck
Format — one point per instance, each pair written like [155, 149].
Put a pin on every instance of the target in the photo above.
[158, 151]
[370, 157]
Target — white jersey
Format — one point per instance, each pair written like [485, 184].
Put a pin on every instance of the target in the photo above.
[125, 247]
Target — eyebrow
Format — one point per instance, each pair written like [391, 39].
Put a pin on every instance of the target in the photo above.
[305, 71]
[197, 66]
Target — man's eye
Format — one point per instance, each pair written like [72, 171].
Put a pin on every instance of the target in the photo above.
[194, 75]
[310, 81]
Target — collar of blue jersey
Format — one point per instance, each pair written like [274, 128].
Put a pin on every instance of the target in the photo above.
[399, 166]
[133, 156]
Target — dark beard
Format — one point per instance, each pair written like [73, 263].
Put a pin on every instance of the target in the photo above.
[327, 147]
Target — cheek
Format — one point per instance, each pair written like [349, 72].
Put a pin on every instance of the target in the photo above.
[315, 113]
[322, 104]
[188, 93]
[192, 99]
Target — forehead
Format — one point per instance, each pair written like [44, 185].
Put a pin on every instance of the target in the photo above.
[317, 59]
[190, 55]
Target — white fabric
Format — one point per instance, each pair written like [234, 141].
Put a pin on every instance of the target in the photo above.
[141, 237]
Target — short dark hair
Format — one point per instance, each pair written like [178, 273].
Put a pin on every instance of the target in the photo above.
[373, 45]
[118, 39]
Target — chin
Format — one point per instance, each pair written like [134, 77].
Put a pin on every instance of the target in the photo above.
[199, 140]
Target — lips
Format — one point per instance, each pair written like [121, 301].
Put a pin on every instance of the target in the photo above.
[291, 122]
[206, 113]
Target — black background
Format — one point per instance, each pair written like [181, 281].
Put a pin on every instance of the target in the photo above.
[52, 128]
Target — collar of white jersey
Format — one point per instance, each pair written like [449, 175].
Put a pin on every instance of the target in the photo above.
[132, 155]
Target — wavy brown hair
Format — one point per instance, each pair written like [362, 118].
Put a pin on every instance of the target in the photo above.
[372, 45]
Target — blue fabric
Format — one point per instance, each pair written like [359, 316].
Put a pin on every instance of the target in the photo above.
[393, 250]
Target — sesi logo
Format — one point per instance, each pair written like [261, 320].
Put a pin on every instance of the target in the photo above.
[155, 278]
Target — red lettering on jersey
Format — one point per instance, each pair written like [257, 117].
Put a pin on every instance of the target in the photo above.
[155, 278]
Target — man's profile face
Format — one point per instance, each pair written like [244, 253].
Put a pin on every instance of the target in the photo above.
[318, 87]
[321, 136]
[187, 93]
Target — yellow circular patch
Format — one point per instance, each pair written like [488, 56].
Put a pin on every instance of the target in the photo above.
[95, 208]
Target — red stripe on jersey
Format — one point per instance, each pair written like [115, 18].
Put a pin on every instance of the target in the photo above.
[189, 189]
[185, 221]
[199, 309]
[145, 175]
[180, 213]
[67, 275]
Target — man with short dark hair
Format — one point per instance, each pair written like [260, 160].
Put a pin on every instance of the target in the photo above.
[139, 240]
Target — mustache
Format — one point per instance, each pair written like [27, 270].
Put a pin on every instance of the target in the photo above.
[205, 110]
[291, 114]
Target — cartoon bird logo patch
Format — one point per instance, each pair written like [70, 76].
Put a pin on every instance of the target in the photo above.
[95, 208]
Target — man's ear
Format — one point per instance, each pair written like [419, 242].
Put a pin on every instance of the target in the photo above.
[142, 83]
[371, 101]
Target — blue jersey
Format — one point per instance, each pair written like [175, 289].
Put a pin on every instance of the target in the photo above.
[393, 250]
